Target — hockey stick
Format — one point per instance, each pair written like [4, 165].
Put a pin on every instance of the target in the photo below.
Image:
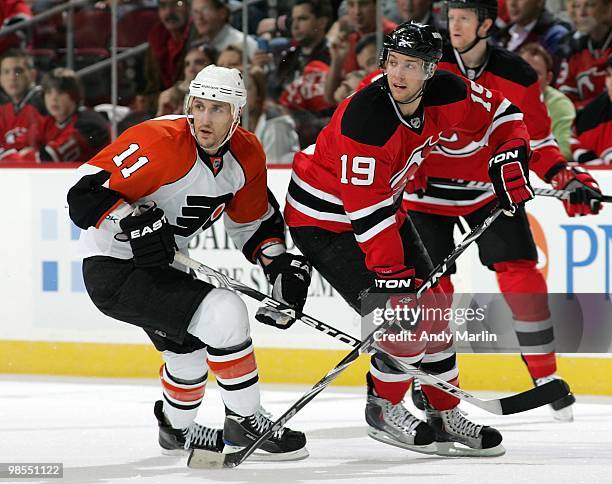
[544, 192]
[531, 399]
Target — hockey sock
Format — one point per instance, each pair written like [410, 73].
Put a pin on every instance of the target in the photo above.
[183, 379]
[237, 377]
[390, 383]
[525, 291]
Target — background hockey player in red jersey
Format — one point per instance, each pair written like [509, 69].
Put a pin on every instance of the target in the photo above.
[344, 213]
[591, 140]
[507, 247]
[155, 188]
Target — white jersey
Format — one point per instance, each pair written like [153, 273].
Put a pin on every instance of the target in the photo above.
[159, 161]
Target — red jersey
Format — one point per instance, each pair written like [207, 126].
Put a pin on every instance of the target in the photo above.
[459, 157]
[353, 179]
[307, 91]
[591, 140]
[583, 72]
[19, 122]
[12, 11]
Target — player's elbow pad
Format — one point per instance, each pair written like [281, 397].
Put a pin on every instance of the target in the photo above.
[89, 201]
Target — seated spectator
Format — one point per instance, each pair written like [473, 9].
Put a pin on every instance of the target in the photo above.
[592, 137]
[300, 75]
[275, 130]
[230, 57]
[211, 21]
[171, 100]
[367, 59]
[169, 41]
[22, 108]
[68, 132]
[560, 107]
[349, 85]
[12, 12]
[582, 72]
[420, 11]
[530, 22]
[344, 35]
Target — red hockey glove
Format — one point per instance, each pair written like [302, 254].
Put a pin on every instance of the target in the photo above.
[509, 172]
[417, 184]
[585, 195]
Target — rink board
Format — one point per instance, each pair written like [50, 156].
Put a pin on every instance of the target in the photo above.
[49, 326]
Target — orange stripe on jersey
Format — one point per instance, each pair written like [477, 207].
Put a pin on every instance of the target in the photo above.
[251, 201]
[234, 368]
[103, 217]
[148, 156]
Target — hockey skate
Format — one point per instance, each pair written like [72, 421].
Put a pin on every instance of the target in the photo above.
[561, 409]
[180, 441]
[284, 444]
[456, 436]
[395, 425]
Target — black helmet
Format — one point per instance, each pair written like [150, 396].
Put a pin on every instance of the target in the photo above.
[485, 8]
[413, 39]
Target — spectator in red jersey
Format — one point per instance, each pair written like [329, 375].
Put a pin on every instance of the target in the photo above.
[23, 108]
[168, 43]
[592, 137]
[12, 12]
[367, 59]
[344, 35]
[299, 79]
[582, 72]
[530, 22]
[68, 133]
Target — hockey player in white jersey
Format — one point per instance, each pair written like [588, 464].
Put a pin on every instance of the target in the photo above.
[154, 189]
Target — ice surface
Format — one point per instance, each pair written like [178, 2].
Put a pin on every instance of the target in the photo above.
[104, 431]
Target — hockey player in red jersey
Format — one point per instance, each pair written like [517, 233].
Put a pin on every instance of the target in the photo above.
[155, 188]
[344, 213]
[507, 247]
[591, 140]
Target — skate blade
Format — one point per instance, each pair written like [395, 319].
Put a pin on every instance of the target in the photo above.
[174, 452]
[262, 456]
[385, 439]
[455, 449]
[565, 414]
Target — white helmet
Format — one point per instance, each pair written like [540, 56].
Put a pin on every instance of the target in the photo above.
[218, 84]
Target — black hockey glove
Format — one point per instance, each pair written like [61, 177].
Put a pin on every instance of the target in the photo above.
[289, 276]
[150, 236]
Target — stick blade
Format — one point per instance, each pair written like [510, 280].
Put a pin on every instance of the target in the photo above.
[206, 459]
[534, 398]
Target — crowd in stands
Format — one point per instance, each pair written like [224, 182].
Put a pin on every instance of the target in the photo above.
[303, 58]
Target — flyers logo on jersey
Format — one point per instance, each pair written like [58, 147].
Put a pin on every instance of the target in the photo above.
[215, 163]
[200, 213]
